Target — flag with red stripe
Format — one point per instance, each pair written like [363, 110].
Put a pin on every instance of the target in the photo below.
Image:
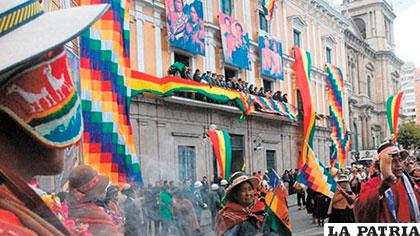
[222, 148]
[393, 111]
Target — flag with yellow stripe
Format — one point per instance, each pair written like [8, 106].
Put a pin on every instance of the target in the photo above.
[222, 148]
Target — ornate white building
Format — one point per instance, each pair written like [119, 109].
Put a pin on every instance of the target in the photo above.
[373, 71]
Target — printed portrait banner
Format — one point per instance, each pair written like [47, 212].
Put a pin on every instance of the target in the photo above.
[271, 56]
[185, 24]
[235, 41]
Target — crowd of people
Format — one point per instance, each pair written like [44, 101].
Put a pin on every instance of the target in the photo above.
[393, 177]
[213, 79]
[166, 208]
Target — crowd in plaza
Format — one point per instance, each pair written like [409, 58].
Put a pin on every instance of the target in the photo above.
[233, 83]
[169, 208]
[361, 187]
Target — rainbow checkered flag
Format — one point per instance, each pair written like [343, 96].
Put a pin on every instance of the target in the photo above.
[312, 173]
[339, 134]
[108, 143]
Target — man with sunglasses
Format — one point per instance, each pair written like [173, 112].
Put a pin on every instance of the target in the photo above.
[390, 197]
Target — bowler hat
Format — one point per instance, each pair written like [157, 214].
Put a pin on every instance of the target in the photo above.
[237, 179]
[86, 183]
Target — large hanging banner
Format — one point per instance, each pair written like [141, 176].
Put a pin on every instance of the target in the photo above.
[166, 86]
[235, 41]
[185, 24]
[312, 173]
[108, 142]
[271, 56]
[339, 135]
[220, 140]
[393, 112]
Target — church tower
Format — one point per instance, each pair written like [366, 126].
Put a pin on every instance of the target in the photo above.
[374, 20]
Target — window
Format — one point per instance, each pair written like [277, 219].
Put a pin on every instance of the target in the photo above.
[271, 159]
[230, 73]
[263, 22]
[369, 86]
[227, 7]
[328, 54]
[267, 84]
[299, 105]
[186, 162]
[297, 38]
[355, 141]
[388, 29]
[178, 57]
[237, 142]
[361, 25]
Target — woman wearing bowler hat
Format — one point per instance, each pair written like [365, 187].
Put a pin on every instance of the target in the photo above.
[40, 111]
[87, 187]
[342, 202]
[243, 213]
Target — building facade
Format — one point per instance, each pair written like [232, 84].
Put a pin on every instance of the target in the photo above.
[417, 98]
[410, 75]
[170, 132]
[373, 71]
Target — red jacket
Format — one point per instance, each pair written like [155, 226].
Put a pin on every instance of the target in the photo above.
[369, 208]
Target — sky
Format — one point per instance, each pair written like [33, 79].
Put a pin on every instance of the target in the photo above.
[406, 32]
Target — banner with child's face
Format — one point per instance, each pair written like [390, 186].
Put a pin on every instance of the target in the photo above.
[271, 56]
[185, 24]
[235, 41]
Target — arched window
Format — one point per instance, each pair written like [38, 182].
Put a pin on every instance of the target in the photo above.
[370, 70]
[355, 141]
[361, 25]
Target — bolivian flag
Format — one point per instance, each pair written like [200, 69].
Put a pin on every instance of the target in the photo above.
[392, 112]
[268, 6]
[222, 147]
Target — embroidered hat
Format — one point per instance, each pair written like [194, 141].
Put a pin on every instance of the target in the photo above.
[26, 31]
[36, 88]
[86, 184]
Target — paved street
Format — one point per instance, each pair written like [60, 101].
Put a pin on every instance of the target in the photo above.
[301, 221]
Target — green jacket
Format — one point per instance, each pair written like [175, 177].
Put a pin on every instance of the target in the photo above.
[165, 208]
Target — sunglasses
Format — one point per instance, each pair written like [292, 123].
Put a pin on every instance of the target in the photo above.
[398, 156]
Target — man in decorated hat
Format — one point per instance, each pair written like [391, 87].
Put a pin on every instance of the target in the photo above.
[40, 112]
[389, 197]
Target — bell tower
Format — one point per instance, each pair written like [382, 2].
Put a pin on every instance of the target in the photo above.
[374, 20]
